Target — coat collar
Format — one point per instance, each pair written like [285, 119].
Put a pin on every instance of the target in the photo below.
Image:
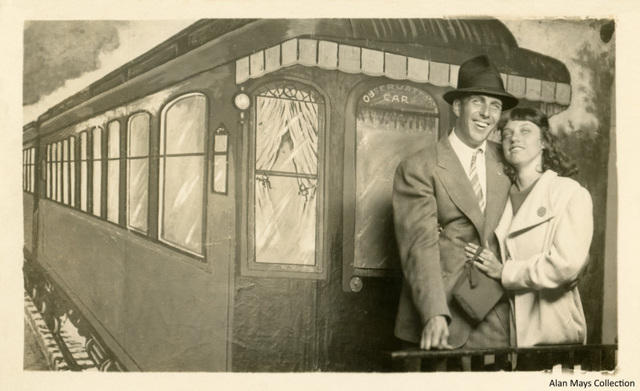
[455, 181]
[535, 209]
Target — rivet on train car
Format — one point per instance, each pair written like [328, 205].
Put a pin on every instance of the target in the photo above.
[355, 284]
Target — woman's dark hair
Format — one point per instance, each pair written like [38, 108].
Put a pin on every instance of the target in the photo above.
[553, 157]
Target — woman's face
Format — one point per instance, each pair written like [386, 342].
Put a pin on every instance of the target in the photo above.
[522, 144]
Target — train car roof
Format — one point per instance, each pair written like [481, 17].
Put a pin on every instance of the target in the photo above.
[448, 41]
[29, 132]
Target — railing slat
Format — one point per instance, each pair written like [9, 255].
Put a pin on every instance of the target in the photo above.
[477, 363]
[595, 360]
[501, 362]
[568, 360]
[609, 359]
[440, 365]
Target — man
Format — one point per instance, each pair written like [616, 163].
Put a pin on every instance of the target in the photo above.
[433, 192]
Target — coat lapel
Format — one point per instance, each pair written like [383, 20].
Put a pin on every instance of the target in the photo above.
[536, 208]
[454, 179]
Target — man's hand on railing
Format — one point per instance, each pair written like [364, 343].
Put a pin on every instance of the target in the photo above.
[435, 334]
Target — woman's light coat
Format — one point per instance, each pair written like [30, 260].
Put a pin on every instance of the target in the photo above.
[544, 250]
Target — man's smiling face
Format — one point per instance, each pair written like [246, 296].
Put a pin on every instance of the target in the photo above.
[478, 116]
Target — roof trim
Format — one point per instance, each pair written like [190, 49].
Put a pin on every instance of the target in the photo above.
[354, 59]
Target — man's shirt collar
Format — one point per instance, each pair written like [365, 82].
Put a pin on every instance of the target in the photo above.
[462, 148]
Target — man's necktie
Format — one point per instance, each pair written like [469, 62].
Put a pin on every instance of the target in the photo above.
[475, 181]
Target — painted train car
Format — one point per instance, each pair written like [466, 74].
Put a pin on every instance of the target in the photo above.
[222, 203]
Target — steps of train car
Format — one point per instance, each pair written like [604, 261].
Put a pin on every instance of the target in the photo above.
[42, 350]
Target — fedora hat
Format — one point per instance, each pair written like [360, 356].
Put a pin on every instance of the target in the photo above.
[479, 76]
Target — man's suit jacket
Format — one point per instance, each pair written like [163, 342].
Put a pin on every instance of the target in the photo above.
[431, 188]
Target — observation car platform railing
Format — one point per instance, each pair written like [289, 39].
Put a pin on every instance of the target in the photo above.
[538, 358]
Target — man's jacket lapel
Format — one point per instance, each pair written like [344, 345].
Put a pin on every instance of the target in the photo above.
[454, 179]
[497, 191]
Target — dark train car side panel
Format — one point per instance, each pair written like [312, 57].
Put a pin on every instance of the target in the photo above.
[146, 298]
[162, 309]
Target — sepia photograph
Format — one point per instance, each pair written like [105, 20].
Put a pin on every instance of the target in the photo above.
[339, 194]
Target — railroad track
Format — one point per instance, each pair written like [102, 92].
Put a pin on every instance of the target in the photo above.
[63, 350]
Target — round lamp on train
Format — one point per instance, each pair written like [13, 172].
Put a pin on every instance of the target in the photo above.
[242, 100]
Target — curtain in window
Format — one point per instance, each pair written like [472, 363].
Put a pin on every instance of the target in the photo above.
[286, 181]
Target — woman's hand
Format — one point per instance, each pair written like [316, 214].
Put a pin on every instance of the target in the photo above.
[486, 261]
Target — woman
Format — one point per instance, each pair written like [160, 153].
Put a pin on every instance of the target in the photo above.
[544, 235]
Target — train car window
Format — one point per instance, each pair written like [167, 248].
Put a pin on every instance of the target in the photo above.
[54, 170]
[182, 173]
[25, 156]
[72, 171]
[25, 179]
[393, 120]
[26, 169]
[65, 170]
[138, 172]
[285, 211]
[113, 172]
[29, 170]
[59, 173]
[48, 171]
[97, 171]
[84, 175]
[32, 170]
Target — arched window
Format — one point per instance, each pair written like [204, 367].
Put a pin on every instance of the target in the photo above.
[72, 171]
[65, 170]
[138, 171]
[56, 172]
[113, 171]
[392, 120]
[182, 173]
[97, 171]
[49, 174]
[84, 175]
[285, 211]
